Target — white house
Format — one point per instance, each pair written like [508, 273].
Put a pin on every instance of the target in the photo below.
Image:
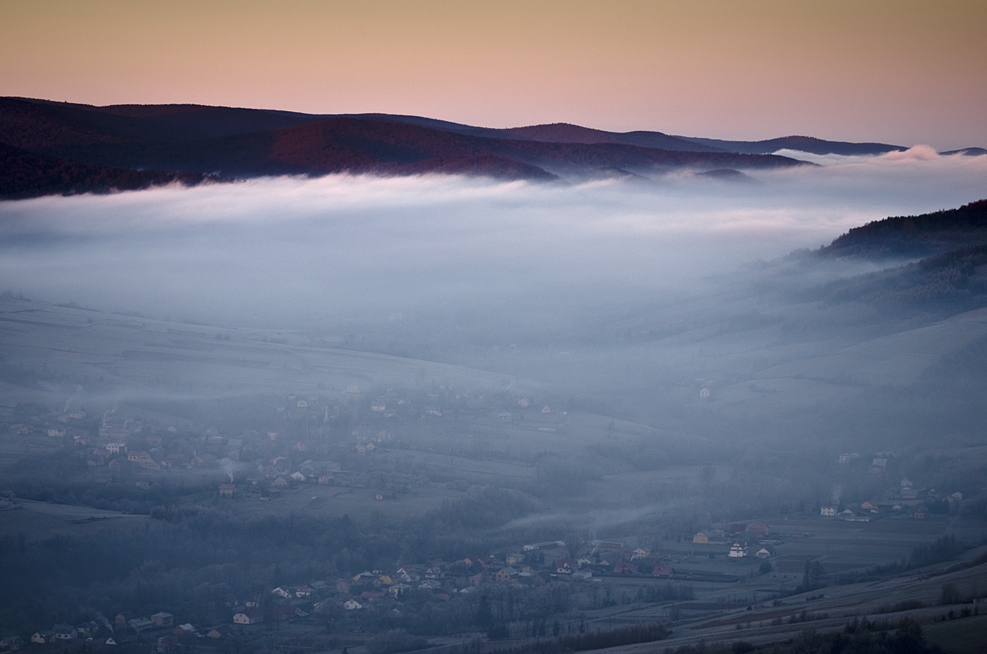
[248, 616]
[738, 549]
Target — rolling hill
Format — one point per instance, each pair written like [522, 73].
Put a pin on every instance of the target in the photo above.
[167, 142]
[164, 143]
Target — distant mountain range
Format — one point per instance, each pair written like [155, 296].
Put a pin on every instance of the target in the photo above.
[53, 147]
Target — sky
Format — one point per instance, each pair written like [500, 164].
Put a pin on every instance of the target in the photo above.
[901, 72]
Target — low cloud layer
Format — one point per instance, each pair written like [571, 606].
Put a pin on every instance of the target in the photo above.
[287, 251]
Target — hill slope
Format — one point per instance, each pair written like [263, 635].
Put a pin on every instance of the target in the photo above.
[249, 142]
[910, 236]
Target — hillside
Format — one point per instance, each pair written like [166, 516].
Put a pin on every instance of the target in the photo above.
[29, 175]
[566, 133]
[236, 142]
[183, 141]
[800, 143]
[914, 236]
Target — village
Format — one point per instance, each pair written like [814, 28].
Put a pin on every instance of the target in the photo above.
[357, 604]
[295, 436]
[361, 455]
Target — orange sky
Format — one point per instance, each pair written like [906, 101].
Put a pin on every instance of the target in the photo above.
[897, 71]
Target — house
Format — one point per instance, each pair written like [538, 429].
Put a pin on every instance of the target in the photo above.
[87, 629]
[565, 566]
[279, 482]
[869, 506]
[758, 529]
[504, 575]
[284, 593]
[352, 605]
[220, 632]
[919, 514]
[662, 571]
[343, 587]
[304, 591]
[828, 511]
[123, 618]
[140, 624]
[764, 553]
[364, 577]
[407, 574]
[738, 528]
[183, 630]
[43, 636]
[227, 490]
[738, 550]
[252, 615]
[625, 568]
[847, 458]
[162, 619]
[434, 572]
[371, 595]
[397, 590]
[701, 538]
[514, 559]
[64, 632]
[297, 476]
[11, 643]
[640, 553]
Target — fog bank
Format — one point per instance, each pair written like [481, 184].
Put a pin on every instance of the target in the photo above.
[279, 252]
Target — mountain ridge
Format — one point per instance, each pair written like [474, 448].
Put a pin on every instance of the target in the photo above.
[189, 141]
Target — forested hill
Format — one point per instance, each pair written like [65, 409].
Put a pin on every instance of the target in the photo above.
[26, 175]
[947, 279]
[914, 236]
[181, 140]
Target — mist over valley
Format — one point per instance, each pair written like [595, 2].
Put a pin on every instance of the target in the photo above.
[398, 407]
